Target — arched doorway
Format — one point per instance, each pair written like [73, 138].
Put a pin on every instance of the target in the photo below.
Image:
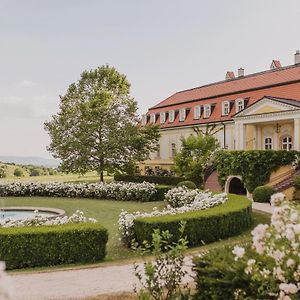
[234, 185]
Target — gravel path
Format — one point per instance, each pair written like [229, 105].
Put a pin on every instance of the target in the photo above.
[82, 283]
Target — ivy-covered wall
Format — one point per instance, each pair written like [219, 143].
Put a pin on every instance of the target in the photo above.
[255, 166]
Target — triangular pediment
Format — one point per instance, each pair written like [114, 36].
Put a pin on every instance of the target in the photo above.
[269, 105]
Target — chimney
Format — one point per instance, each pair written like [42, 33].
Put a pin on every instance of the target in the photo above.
[297, 57]
[229, 75]
[241, 72]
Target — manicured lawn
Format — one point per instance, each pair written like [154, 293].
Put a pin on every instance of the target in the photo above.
[107, 212]
[104, 211]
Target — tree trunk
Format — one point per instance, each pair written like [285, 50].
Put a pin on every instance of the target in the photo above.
[101, 177]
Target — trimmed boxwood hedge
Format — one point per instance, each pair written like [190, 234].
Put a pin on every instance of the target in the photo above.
[165, 180]
[204, 226]
[263, 193]
[24, 247]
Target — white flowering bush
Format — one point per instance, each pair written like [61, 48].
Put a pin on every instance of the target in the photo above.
[128, 191]
[274, 263]
[180, 196]
[5, 284]
[39, 220]
[201, 201]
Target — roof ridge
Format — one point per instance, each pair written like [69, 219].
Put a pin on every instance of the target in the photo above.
[239, 78]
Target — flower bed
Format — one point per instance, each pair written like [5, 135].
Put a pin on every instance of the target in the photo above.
[24, 247]
[202, 201]
[112, 191]
[38, 220]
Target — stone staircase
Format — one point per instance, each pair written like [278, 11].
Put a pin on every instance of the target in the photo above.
[286, 182]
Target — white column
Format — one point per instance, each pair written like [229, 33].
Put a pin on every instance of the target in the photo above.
[237, 136]
[254, 143]
[296, 134]
[258, 137]
[242, 137]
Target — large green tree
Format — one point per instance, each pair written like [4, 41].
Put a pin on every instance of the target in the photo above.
[97, 126]
[197, 154]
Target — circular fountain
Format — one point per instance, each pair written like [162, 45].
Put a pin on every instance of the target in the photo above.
[23, 212]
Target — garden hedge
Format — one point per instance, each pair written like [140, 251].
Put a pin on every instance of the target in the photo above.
[263, 193]
[255, 166]
[24, 247]
[164, 180]
[204, 226]
[161, 190]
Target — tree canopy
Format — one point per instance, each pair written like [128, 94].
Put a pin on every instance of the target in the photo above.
[97, 126]
[197, 154]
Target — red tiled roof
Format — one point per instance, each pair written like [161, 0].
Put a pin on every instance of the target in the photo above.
[284, 83]
[253, 81]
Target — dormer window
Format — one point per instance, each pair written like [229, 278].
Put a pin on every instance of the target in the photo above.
[225, 108]
[171, 116]
[144, 120]
[162, 117]
[182, 114]
[239, 103]
[197, 112]
[207, 110]
[153, 118]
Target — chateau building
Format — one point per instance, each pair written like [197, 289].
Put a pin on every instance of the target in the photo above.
[255, 111]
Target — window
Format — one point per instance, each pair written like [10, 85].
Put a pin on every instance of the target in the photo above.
[287, 143]
[173, 149]
[182, 114]
[225, 108]
[239, 105]
[162, 117]
[197, 112]
[171, 116]
[152, 118]
[207, 110]
[144, 120]
[268, 143]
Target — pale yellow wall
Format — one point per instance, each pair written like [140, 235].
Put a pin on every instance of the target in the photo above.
[266, 109]
[289, 193]
[250, 143]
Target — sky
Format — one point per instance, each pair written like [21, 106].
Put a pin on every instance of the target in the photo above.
[162, 46]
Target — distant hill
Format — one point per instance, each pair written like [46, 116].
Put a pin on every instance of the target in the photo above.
[31, 160]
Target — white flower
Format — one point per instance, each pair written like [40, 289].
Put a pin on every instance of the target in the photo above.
[239, 252]
[288, 288]
[277, 199]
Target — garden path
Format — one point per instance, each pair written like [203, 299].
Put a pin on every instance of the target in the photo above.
[82, 283]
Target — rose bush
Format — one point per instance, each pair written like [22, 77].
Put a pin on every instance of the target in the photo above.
[113, 191]
[273, 263]
[200, 201]
[39, 220]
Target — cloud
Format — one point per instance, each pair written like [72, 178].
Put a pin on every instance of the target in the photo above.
[27, 83]
[28, 107]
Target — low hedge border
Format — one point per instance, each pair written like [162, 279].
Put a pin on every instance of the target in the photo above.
[164, 180]
[204, 226]
[25, 247]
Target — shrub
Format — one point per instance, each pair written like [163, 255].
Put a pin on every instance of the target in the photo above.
[263, 193]
[2, 173]
[160, 193]
[203, 226]
[267, 269]
[114, 191]
[255, 166]
[18, 172]
[26, 247]
[188, 184]
[296, 182]
[35, 172]
[164, 180]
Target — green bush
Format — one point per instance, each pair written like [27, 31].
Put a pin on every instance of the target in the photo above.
[188, 184]
[203, 226]
[18, 172]
[35, 172]
[161, 190]
[218, 276]
[255, 166]
[165, 180]
[25, 247]
[296, 182]
[263, 193]
[2, 173]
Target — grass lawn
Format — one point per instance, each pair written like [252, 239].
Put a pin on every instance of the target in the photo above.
[106, 212]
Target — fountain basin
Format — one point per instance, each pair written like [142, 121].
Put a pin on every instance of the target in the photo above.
[23, 212]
